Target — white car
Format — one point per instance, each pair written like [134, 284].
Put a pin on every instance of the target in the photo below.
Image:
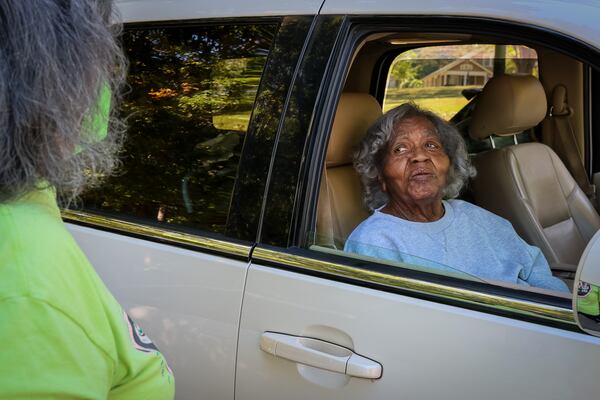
[223, 233]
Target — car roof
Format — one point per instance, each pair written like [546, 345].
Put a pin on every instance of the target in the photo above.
[578, 19]
[166, 10]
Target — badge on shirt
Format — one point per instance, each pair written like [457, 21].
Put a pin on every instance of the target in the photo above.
[138, 337]
[143, 343]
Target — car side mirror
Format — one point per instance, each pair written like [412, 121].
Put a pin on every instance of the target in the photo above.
[586, 288]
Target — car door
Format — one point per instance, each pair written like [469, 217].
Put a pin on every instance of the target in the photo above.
[171, 233]
[319, 324]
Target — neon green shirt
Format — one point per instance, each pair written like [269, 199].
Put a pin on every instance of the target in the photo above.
[589, 303]
[62, 334]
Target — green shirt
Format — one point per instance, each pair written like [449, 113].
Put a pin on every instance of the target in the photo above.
[62, 334]
[589, 303]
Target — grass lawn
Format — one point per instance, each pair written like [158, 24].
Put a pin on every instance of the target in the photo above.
[444, 101]
[232, 122]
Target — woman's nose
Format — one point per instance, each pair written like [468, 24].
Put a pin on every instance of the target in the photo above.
[419, 154]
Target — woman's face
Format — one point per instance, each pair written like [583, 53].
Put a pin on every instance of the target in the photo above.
[416, 166]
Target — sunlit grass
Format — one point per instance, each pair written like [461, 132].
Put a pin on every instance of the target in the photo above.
[233, 121]
[444, 101]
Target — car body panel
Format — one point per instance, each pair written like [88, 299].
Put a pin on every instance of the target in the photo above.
[188, 302]
[428, 350]
[166, 10]
[576, 19]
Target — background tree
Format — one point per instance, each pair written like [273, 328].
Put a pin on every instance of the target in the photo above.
[190, 99]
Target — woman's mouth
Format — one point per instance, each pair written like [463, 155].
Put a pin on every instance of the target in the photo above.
[421, 174]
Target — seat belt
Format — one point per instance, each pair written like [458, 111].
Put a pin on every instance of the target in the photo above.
[568, 150]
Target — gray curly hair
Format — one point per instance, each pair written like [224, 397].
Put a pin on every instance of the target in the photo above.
[370, 156]
[58, 58]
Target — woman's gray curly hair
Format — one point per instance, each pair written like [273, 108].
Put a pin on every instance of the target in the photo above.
[370, 156]
[57, 58]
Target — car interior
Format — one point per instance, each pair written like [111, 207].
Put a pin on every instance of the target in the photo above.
[526, 135]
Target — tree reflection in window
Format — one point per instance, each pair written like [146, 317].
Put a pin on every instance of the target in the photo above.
[192, 90]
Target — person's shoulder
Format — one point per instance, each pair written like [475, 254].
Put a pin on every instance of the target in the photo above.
[375, 221]
[33, 224]
[371, 229]
[36, 247]
[480, 215]
[470, 209]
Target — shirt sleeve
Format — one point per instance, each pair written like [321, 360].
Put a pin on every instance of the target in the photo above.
[538, 273]
[46, 354]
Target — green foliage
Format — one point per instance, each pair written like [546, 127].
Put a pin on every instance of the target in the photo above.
[178, 167]
[405, 73]
[444, 101]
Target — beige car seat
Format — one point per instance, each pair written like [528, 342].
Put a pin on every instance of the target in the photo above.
[340, 208]
[527, 183]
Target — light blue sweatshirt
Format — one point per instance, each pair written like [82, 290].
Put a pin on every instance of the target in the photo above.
[467, 238]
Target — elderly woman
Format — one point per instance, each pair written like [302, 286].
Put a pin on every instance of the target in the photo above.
[409, 162]
[63, 334]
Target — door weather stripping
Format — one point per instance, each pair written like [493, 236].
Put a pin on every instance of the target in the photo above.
[320, 354]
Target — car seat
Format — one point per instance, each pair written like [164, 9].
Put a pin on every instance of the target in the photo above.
[340, 208]
[527, 183]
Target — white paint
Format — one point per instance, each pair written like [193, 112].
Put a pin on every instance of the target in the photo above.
[169, 10]
[578, 19]
[428, 350]
[186, 301]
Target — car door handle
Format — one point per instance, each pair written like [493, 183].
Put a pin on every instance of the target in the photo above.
[319, 354]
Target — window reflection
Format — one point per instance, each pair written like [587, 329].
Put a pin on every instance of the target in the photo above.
[191, 95]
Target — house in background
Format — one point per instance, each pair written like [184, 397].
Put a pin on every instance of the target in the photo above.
[460, 72]
[461, 65]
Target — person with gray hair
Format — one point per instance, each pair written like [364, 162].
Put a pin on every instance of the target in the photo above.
[63, 334]
[413, 165]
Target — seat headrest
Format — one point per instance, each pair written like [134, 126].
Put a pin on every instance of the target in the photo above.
[507, 105]
[356, 112]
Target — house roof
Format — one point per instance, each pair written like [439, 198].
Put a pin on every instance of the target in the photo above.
[455, 63]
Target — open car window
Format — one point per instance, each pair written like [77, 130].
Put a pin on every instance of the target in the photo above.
[447, 80]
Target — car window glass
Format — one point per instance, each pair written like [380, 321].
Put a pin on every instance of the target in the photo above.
[192, 91]
[444, 78]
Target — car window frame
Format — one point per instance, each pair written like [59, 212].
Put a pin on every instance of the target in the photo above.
[234, 243]
[547, 309]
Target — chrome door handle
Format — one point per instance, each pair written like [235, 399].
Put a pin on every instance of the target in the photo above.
[319, 354]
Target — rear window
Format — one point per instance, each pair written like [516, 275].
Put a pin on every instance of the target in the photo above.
[443, 78]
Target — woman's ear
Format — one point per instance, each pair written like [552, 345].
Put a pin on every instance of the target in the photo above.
[383, 185]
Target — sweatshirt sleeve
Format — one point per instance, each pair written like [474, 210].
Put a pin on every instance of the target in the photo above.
[538, 274]
[45, 354]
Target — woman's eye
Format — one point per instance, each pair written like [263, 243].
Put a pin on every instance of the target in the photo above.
[400, 149]
[432, 146]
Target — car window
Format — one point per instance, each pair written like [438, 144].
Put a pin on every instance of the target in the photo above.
[444, 78]
[192, 91]
[465, 240]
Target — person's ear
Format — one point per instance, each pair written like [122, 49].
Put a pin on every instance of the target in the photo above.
[383, 185]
